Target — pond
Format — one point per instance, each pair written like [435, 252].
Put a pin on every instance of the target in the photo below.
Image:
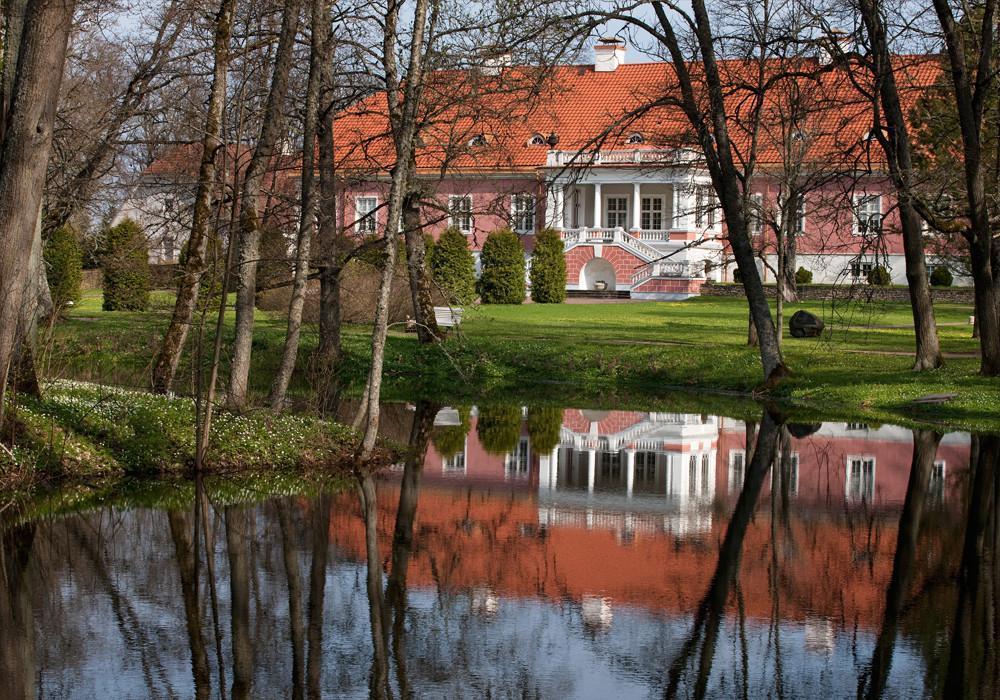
[534, 553]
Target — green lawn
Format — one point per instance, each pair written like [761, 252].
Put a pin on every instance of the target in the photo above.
[635, 355]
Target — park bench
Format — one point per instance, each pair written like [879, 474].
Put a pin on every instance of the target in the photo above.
[448, 316]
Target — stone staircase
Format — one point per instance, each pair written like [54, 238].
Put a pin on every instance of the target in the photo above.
[595, 294]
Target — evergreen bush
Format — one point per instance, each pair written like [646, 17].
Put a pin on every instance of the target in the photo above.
[942, 277]
[879, 277]
[548, 269]
[544, 424]
[449, 440]
[501, 280]
[127, 278]
[499, 428]
[803, 276]
[63, 266]
[453, 268]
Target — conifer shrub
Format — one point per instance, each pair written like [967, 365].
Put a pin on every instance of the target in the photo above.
[453, 268]
[879, 277]
[501, 280]
[548, 269]
[499, 428]
[544, 424]
[942, 277]
[127, 279]
[63, 266]
[449, 440]
[803, 276]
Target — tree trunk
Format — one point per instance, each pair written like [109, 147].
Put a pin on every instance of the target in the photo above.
[250, 224]
[416, 266]
[24, 154]
[37, 305]
[290, 352]
[237, 542]
[188, 287]
[187, 569]
[293, 579]
[317, 584]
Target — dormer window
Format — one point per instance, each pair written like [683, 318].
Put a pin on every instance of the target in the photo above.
[634, 139]
[536, 140]
[478, 140]
[798, 135]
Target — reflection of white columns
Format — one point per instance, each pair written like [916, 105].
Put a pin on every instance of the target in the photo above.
[591, 469]
[629, 471]
[554, 469]
[545, 465]
[636, 206]
[597, 205]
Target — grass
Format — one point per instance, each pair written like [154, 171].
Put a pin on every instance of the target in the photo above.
[636, 355]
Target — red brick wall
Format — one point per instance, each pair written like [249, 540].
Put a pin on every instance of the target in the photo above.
[625, 263]
[671, 286]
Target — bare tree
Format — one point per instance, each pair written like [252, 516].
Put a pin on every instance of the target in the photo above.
[165, 368]
[271, 126]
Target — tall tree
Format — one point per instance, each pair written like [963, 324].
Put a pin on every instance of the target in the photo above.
[37, 35]
[263, 157]
[895, 141]
[188, 287]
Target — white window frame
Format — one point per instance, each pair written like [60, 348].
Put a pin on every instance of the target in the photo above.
[648, 212]
[733, 455]
[456, 464]
[519, 215]
[756, 214]
[863, 460]
[705, 203]
[517, 464]
[864, 268]
[623, 214]
[862, 214]
[460, 219]
[365, 221]
[800, 215]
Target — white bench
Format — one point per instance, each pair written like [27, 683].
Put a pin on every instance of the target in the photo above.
[447, 316]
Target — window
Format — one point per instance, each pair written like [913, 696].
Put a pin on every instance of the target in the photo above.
[478, 140]
[537, 140]
[645, 467]
[461, 212]
[518, 461]
[860, 479]
[651, 214]
[365, 214]
[737, 467]
[935, 487]
[867, 215]
[756, 214]
[610, 466]
[693, 475]
[616, 215]
[705, 205]
[523, 213]
[861, 270]
[454, 464]
[800, 214]
[634, 139]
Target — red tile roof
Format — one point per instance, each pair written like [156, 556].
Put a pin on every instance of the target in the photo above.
[584, 108]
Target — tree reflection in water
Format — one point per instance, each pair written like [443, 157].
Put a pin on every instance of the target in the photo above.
[448, 588]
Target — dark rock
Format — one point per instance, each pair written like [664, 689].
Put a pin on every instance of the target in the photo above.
[805, 325]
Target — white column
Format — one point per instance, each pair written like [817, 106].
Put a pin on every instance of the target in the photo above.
[683, 206]
[550, 203]
[559, 220]
[544, 472]
[629, 471]
[597, 205]
[636, 206]
[554, 469]
[591, 470]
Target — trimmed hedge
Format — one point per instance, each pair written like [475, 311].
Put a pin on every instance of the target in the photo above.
[548, 269]
[501, 280]
[453, 268]
[127, 280]
[544, 425]
[63, 266]
[942, 277]
[499, 428]
[879, 277]
[803, 276]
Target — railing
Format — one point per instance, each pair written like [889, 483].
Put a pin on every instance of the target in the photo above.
[573, 237]
[634, 156]
[663, 268]
[662, 235]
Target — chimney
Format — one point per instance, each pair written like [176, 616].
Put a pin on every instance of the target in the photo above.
[609, 53]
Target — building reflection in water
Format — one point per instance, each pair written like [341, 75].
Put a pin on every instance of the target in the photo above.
[640, 553]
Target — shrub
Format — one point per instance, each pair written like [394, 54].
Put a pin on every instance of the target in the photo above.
[544, 424]
[449, 440]
[803, 276]
[499, 428]
[453, 268]
[63, 266]
[942, 277]
[737, 275]
[126, 268]
[502, 278]
[548, 269]
[879, 277]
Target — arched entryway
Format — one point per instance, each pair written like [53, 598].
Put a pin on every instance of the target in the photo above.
[598, 274]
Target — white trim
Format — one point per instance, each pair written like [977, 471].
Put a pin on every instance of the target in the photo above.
[453, 217]
[514, 214]
[863, 459]
[733, 454]
[367, 222]
[607, 210]
[663, 211]
[857, 201]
